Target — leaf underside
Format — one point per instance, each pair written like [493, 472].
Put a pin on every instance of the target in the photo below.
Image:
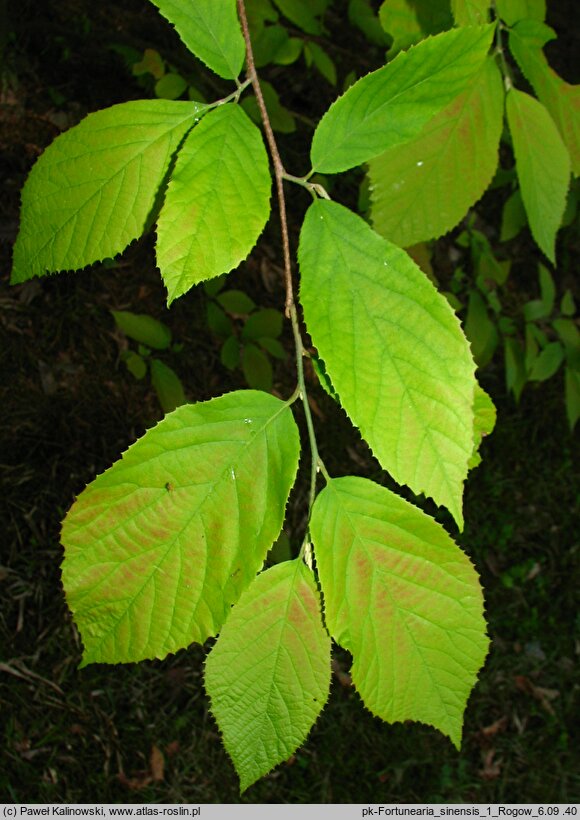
[217, 202]
[423, 188]
[93, 190]
[403, 599]
[394, 350]
[159, 546]
[268, 675]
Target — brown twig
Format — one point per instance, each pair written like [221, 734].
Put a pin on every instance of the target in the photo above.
[274, 153]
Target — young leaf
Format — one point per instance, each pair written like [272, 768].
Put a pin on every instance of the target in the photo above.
[218, 322]
[217, 202]
[547, 362]
[135, 364]
[391, 105]
[92, 191]
[257, 368]
[560, 98]
[394, 350]
[362, 15]
[171, 86]
[230, 353]
[167, 385]
[515, 368]
[542, 164]
[313, 53]
[211, 30]
[422, 188]
[470, 12]
[301, 13]
[280, 118]
[143, 328]
[408, 21]
[236, 301]
[160, 545]
[480, 330]
[268, 675]
[513, 217]
[265, 322]
[404, 599]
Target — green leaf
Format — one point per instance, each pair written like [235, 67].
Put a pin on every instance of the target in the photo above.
[280, 118]
[515, 369]
[236, 301]
[214, 286]
[93, 190]
[570, 336]
[480, 330]
[151, 63]
[171, 86]
[408, 21]
[167, 385]
[211, 30]
[267, 43]
[362, 15]
[265, 322]
[217, 202]
[510, 11]
[301, 13]
[268, 676]
[567, 305]
[542, 164]
[423, 188]
[142, 328]
[484, 418]
[318, 56]
[136, 364]
[160, 546]
[273, 347]
[218, 322]
[513, 217]
[547, 288]
[257, 368]
[547, 362]
[572, 388]
[394, 350]
[230, 353]
[404, 599]
[470, 12]
[391, 105]
[560, 98]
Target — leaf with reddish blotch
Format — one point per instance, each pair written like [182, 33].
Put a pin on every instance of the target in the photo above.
[403, 598]
[268, 675]
[160, 546]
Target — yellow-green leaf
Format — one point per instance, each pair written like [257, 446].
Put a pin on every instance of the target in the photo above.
[394, 350]
[268, 675]
[160, 545]
[391, 105]
[423, 188]
[403, 599]
[217, 202]
[542, 165]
